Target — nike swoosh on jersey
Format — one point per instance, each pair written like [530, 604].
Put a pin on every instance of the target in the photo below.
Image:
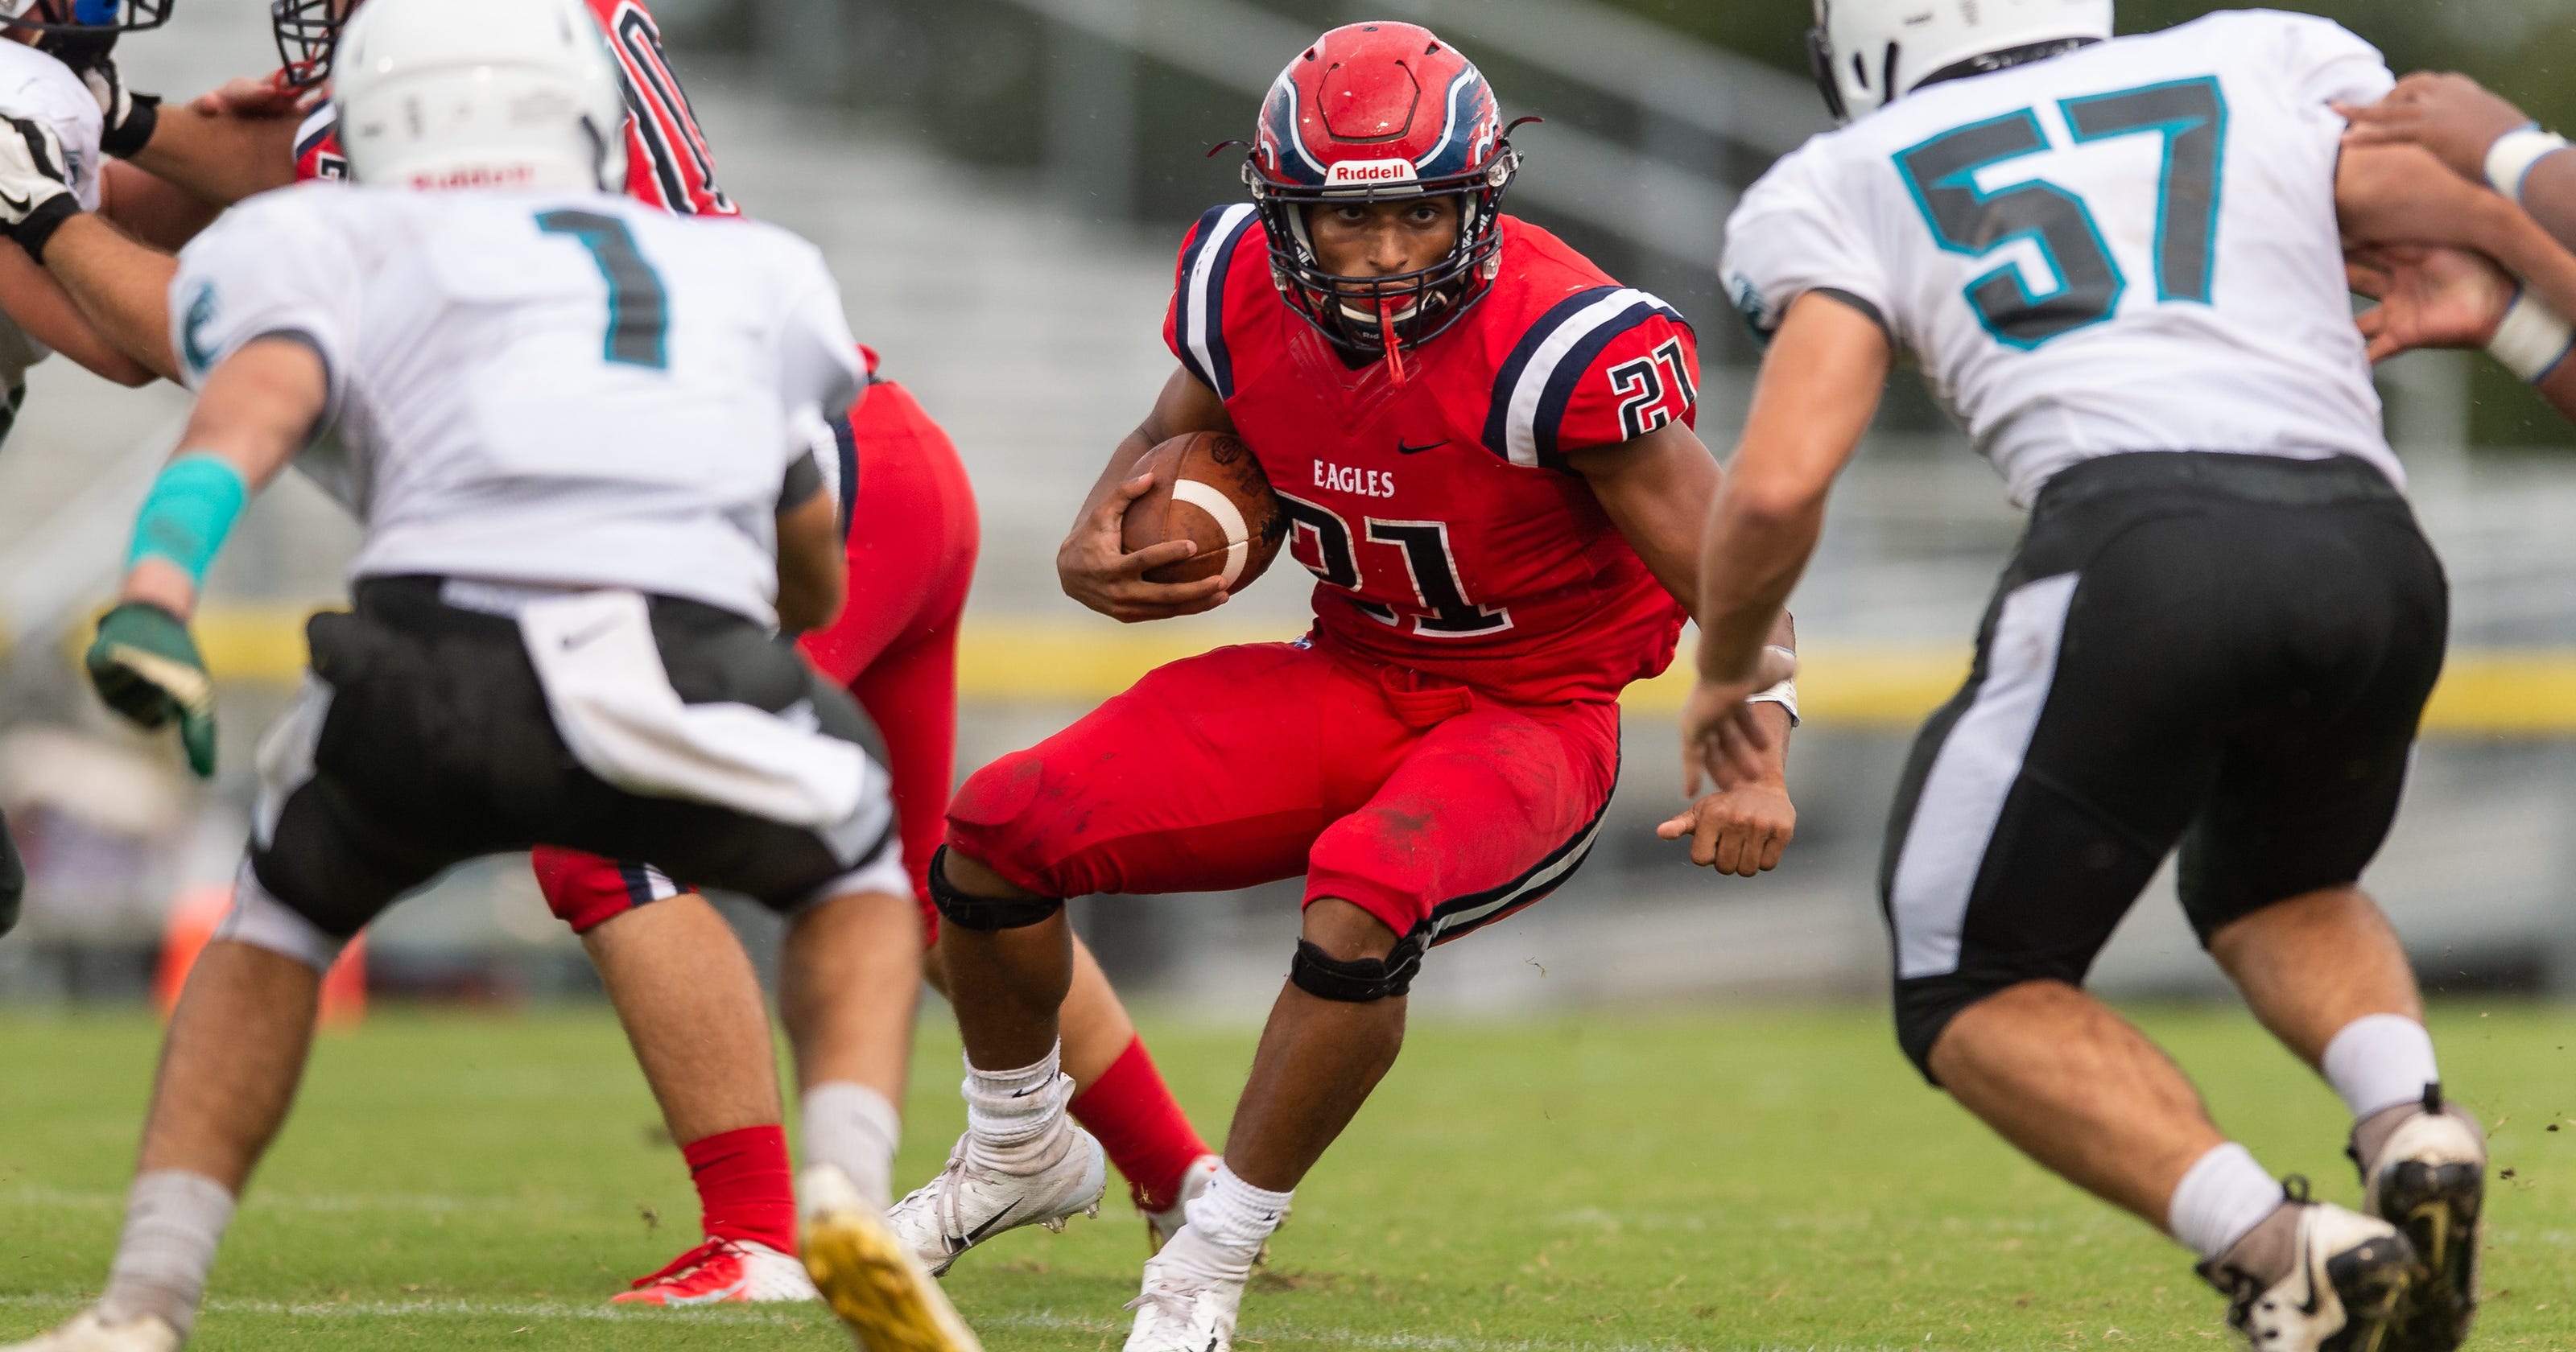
[17, 204]
[1407, 448]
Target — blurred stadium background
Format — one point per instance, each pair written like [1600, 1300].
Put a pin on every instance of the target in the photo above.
[1000, 184]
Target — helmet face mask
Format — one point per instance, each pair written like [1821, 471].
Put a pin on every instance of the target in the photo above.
[1376, 113]
[82, 33]
[307, 32]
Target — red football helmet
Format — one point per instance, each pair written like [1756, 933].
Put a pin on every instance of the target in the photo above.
[1372, 112]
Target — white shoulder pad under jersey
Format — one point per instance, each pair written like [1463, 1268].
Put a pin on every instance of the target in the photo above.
[38, 87]
[2129, 247]
[543, 388]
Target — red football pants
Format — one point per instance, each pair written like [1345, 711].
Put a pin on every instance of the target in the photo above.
[1431, 807]
[912, 542]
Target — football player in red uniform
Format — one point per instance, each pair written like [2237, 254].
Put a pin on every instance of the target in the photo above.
[1484, 445]
[687, 995]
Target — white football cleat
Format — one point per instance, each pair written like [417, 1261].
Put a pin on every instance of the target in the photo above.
[88, 1332]
[1189, 1301]
[2349, 1281]
[2429, 1179]
[1160, 1226]
[724, 1272]
[968, 1204]
[867, 1276]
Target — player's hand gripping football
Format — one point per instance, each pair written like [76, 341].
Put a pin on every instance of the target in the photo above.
[1097, 570]
[2451, 115]
[146, 667]
[2428, 297]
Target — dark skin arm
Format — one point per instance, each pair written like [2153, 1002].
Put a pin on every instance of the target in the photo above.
[1657, 490]
[813, 576]
[1820, 386]
[2443, 298]
[2401, 194]
[2457, 120]
[1093, 563]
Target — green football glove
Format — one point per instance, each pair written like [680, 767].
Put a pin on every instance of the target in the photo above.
[146, 667]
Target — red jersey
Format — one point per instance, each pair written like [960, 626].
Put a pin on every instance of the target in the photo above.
[1438, 514]
[667, 163]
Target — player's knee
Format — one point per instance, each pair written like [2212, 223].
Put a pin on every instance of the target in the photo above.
[975, 909]
[1356, 981]
[1925, 1009]
[260, 919]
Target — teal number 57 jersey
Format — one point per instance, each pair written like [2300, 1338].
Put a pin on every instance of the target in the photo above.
[2131, 247]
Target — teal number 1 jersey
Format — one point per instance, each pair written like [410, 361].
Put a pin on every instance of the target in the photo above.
[2131, 247]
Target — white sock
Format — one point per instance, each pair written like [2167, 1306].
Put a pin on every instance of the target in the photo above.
[854, 1128]
[173, 1221]
[1014, 1115]
[2379, 1061]
[2224, 1195]
[1235, 1217]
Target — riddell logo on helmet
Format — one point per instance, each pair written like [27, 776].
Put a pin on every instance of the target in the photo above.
[508, 176]
[1374, 171]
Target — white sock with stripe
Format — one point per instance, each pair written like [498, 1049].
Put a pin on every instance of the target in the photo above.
[1014, 1116]
[1235, 1218]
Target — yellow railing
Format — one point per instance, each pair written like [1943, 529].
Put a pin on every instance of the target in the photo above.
[2485, 692]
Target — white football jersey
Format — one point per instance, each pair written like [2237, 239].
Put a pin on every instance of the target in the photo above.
[2131, 247]
[38, 87]
[539, 388]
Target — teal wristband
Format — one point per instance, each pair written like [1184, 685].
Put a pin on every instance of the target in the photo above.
[190, 511]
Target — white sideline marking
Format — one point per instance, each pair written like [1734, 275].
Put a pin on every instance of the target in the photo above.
[1040, 1321]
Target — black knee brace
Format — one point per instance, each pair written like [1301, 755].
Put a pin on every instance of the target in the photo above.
[984, 915]
[13, 880]
[1365, 981]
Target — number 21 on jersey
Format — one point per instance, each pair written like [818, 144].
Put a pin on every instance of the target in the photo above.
[2190, 116]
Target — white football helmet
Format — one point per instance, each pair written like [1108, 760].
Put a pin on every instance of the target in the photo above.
[479, 94]
[1867, 52]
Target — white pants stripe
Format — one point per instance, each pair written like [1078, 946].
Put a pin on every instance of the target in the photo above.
[1973, 773]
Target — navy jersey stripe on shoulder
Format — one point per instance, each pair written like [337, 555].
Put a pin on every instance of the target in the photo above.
[1199, 319]
[1539, 379]
[845, 446]
[318, 128]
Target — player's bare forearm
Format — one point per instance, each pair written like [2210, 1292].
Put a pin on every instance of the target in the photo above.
[222, 159]
[152, 209]
[123, 286]
[39, 305]
[813, 569]
[2459, 122]
[1184, 406]
[256, 411]
[2401, 195]
[1819, 388]
[1657, 489]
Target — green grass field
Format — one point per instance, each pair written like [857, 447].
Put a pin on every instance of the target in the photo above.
[1691, 1180]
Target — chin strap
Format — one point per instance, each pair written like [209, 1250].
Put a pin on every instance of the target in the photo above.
[1386, 335]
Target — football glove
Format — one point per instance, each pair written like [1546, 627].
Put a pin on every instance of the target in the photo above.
[146, 667]
[127, 119]
[35, 190]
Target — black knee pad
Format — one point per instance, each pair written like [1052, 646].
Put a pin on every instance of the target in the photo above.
[1365, 981]
[984, 915]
